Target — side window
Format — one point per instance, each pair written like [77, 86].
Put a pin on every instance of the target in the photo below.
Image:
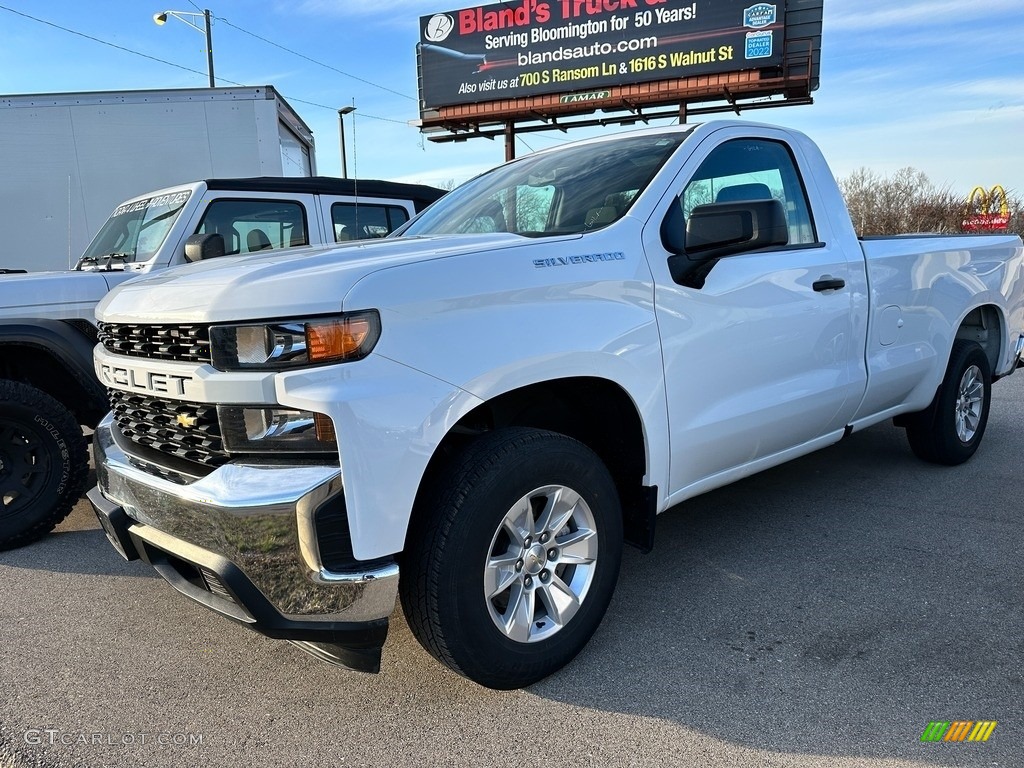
[248, 226]
[397, 216]
[360, 221]
[753, 169]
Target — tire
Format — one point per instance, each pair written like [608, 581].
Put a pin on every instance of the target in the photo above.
[488, 587]
[43, 463]
[950, 430]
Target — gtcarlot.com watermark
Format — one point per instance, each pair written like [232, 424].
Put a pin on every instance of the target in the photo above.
[51, 736]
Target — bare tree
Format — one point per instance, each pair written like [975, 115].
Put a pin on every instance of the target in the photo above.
[1016, 215]
[1015, 203]
[907, 201]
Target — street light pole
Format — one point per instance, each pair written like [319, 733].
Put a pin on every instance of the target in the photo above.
[209, 47]
[341, 132]
[161, 18]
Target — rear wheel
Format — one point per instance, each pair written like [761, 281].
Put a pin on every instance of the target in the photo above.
[513, 557]
[950, 430]
[43, 463]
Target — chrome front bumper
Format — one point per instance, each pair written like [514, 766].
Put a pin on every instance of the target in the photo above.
[242, 541]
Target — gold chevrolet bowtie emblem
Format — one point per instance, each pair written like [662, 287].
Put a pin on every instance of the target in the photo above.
[187, 420]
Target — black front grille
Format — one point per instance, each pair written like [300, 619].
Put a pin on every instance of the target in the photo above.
[184, 343]
[189, 431]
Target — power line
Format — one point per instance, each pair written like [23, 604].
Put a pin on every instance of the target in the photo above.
[233, 82]
[335, 109]
[104, 42]
[314, 61]
[179, 66]
[538, 135]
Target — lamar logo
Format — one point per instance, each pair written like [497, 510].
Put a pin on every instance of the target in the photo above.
[960, 730]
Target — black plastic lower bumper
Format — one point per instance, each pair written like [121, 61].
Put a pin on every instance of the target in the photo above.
[221, 586]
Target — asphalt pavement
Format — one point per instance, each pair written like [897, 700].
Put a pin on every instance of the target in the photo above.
[819, 614]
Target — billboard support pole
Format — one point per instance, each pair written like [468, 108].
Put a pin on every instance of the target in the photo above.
[510, 141]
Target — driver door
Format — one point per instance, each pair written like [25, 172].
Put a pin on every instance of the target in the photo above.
[758, 360]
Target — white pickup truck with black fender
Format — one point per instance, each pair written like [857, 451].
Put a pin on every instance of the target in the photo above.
[474, 417]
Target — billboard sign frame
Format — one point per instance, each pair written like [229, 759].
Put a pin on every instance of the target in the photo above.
[534, 47]
[505, 66]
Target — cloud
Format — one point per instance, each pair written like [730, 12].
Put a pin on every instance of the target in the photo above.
[959, 147]
[379, 9]
[884, 15]
[458, 173]
[1006, 89]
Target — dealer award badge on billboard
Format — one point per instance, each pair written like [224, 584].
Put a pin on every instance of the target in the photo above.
[759, 45]
[760, 15]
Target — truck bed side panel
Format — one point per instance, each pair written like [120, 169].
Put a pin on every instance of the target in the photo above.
[921, 290]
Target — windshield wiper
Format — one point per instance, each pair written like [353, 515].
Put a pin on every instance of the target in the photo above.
[107, 259]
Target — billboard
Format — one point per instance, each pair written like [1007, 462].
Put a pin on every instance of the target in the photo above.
[581, 48]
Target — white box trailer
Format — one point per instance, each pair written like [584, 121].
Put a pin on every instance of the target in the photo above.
[69, 158]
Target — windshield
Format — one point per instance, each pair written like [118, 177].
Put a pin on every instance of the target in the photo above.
[567, 191]
[135, 231]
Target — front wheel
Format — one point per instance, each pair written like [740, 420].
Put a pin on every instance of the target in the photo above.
[43, 463]
[949, 431]
[513, 556]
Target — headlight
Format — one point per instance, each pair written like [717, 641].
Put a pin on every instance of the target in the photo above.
[294, 343]
[272, 429]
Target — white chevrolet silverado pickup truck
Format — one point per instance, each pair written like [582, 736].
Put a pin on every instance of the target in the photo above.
[476, 416]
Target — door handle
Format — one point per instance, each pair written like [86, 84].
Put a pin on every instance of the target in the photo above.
[828, 283]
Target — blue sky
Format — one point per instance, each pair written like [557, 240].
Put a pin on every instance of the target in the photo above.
[933, 84]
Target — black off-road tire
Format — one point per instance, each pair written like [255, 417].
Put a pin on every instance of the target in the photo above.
[460, 529]
[950, 430]
[43, 463]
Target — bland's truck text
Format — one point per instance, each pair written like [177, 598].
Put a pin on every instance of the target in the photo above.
[475, 416]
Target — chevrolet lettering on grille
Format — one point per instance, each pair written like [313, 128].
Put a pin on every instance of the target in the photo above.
[122, 377]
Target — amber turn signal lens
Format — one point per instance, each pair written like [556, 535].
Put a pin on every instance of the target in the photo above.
[341, 339]
[325, 429]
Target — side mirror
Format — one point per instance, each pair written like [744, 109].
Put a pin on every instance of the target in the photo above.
[718, 230]
[202, 247]
[673, 229]
[723, 229]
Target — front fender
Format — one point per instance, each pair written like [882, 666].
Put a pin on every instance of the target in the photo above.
[69, 347]
[389, 420]
[491, 322]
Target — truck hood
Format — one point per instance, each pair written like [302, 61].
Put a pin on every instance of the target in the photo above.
[307, 281]
[55, 294]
